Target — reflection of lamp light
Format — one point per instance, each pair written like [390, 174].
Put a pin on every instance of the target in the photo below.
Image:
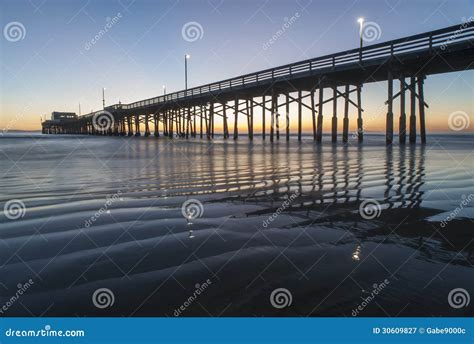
[356, 254]
[191, 235]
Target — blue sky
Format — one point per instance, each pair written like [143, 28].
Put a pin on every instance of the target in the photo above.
[51, 68]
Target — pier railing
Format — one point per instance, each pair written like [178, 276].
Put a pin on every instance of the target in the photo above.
[438, 39]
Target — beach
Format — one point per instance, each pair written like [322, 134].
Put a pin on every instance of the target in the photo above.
[346, 230]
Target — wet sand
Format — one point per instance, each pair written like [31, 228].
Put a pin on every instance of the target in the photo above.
[319, 247]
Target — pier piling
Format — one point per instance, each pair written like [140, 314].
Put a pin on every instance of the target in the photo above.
[360, 130]
[421, 102]
[319, 129]
[412, 111]
[402, 135]
[300, 114]
[334, 115]
[389, 121]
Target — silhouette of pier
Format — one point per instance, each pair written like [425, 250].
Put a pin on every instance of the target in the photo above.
[192, 112]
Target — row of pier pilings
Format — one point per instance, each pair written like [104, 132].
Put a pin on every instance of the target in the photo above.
[199, 120]
[48, 129]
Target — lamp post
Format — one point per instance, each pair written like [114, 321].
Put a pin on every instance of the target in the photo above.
[103, 98]
[164, 90]
[186, 57]
[361, 27]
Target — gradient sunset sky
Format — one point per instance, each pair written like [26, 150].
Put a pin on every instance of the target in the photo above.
[57, 65]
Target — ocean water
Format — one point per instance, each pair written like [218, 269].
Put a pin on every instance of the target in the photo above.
[117, 226]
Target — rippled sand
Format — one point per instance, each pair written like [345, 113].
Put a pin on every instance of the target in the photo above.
[247, 241]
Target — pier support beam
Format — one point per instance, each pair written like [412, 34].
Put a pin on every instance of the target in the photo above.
[187, 115]
[421, 103]
[300, 114]
[402, 126]
[272, 116]
[121, 125]
[200, 121]
[319, 128]
[156, 124]
[389, 121]
[137, 125]
[206, 121]
[277, 120]
[345, 121]
[212, 117]
[165, 123]
[250, 119]
[334, 115]
[177, 122]
[209, 125]
[185, 122]
[236, 118]
[116, 128]
[129, 124]
[172, 115]
[360, 128]
[147, 126]
[182, 122]
[263, 117]
[412, 111]
[224, 118]
[194, 122]
[313, 114]
[287, 115]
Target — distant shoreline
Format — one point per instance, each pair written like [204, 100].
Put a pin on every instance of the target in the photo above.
[20, 131]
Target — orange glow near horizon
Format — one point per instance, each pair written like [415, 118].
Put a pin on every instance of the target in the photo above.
[436, 122]
[27, 117]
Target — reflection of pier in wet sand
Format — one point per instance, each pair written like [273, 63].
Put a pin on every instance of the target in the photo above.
[317, 235]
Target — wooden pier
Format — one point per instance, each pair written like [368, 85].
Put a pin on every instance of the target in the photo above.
[192, 112]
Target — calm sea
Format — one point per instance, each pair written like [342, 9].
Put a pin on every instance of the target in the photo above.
[155, 227]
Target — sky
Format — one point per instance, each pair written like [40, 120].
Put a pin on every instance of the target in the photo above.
[63, 57]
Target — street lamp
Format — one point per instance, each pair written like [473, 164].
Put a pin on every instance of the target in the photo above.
[103, 97]
[164, 89]
[361, 27]
[186, 57]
